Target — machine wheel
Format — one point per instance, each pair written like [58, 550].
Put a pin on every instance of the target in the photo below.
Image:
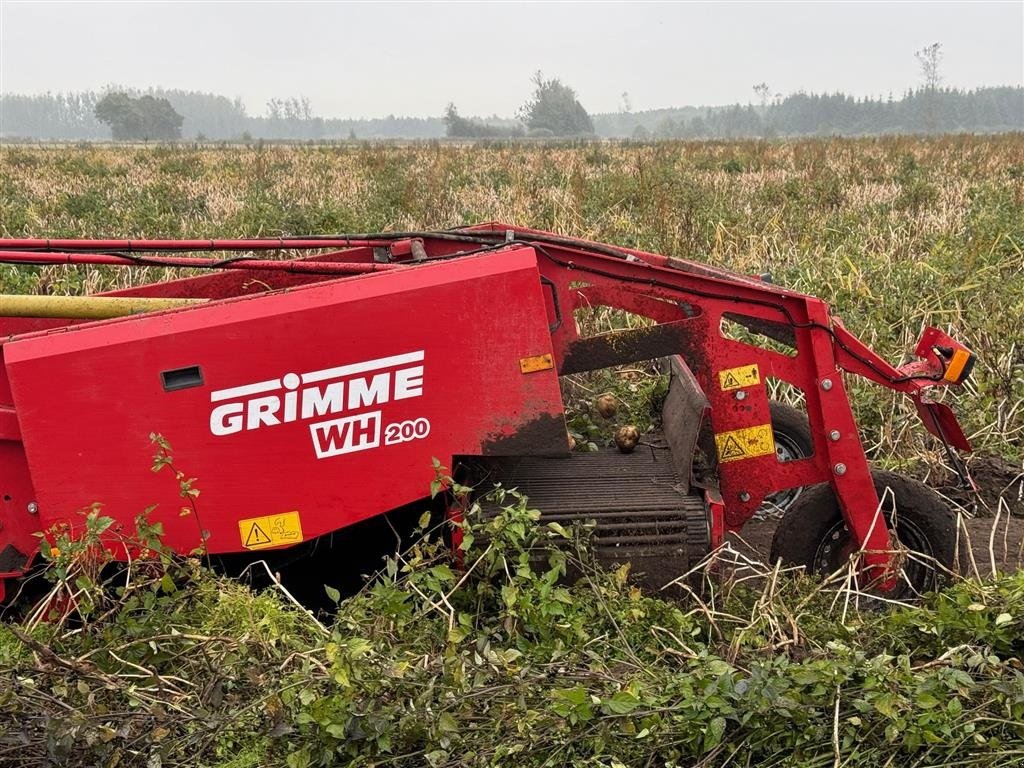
[813, 533]
[792, 434]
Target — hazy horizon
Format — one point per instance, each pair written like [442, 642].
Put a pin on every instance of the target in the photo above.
[364, 60]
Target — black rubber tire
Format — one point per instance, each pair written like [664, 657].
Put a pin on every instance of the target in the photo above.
[792, 433]
[793, 423]
[814, 535]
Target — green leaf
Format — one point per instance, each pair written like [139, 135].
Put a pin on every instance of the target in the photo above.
[332, 594]
[446, 723]
[437, 756]
[713, 734]
[509, 595]
[557, 528]
[620, 703]
[885, 706]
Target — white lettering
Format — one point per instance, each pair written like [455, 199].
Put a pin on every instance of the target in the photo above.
[350, 387]
[226, 419]
[317, 403]
[409, 382]
[262, 411]
[361, 394]
[290, 405]
[346, 435]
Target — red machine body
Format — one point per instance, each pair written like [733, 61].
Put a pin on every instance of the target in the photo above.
[305, 400]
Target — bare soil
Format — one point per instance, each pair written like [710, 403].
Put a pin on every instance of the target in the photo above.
[994, 542]
[1000, 486]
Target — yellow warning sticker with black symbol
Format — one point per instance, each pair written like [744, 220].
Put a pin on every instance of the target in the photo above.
[270, 531]
[745, 443]
[737, 378]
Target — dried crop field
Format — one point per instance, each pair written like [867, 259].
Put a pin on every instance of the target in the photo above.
[502, 664]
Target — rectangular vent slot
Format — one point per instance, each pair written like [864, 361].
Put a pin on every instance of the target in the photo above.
[182, 378]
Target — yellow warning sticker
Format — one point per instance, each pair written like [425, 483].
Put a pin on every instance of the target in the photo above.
[745, 443]
[270, 531]
[737, 378]
[536, 363]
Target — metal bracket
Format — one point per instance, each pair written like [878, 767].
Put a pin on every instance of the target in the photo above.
[552, 327]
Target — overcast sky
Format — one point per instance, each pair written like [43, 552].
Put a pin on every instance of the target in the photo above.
[370, 59]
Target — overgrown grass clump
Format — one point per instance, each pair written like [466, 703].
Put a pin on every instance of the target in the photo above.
[498, 661]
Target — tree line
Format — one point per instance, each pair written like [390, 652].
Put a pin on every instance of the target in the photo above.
[985, 110]
[205, 116]
[553, 110]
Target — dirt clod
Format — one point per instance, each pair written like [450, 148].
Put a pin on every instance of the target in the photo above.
[607, 405]
[627, 437]
[999, 482]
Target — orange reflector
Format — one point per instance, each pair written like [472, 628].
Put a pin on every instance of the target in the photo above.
[536, 363]
[959, 366]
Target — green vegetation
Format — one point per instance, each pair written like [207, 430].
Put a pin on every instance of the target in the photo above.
[554, 110]
[460, 127]
[208, 116]
[502, 663]
[144, 118]
[484, 660]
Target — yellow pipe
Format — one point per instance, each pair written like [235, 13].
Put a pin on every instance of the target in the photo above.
[86, 307]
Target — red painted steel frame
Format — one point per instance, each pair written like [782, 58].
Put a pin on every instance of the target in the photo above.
[113, 260]
[446, 335]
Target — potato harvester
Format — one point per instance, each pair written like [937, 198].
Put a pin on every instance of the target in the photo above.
[307, 382]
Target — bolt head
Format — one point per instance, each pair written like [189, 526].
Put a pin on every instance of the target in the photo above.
[833, 435]
[744, 496]
[32, 508]
[740, 395]
[840, 469]
[826, 384]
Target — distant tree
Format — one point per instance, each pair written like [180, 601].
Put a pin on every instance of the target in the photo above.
[667, 129]
[457, 126]
[159, 119]
[120, 112]
[764, 95]
[145, 117]
[697, 128]
[554, 108]
[929, 59]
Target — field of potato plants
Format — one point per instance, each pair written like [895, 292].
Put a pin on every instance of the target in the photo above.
[499, 663]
